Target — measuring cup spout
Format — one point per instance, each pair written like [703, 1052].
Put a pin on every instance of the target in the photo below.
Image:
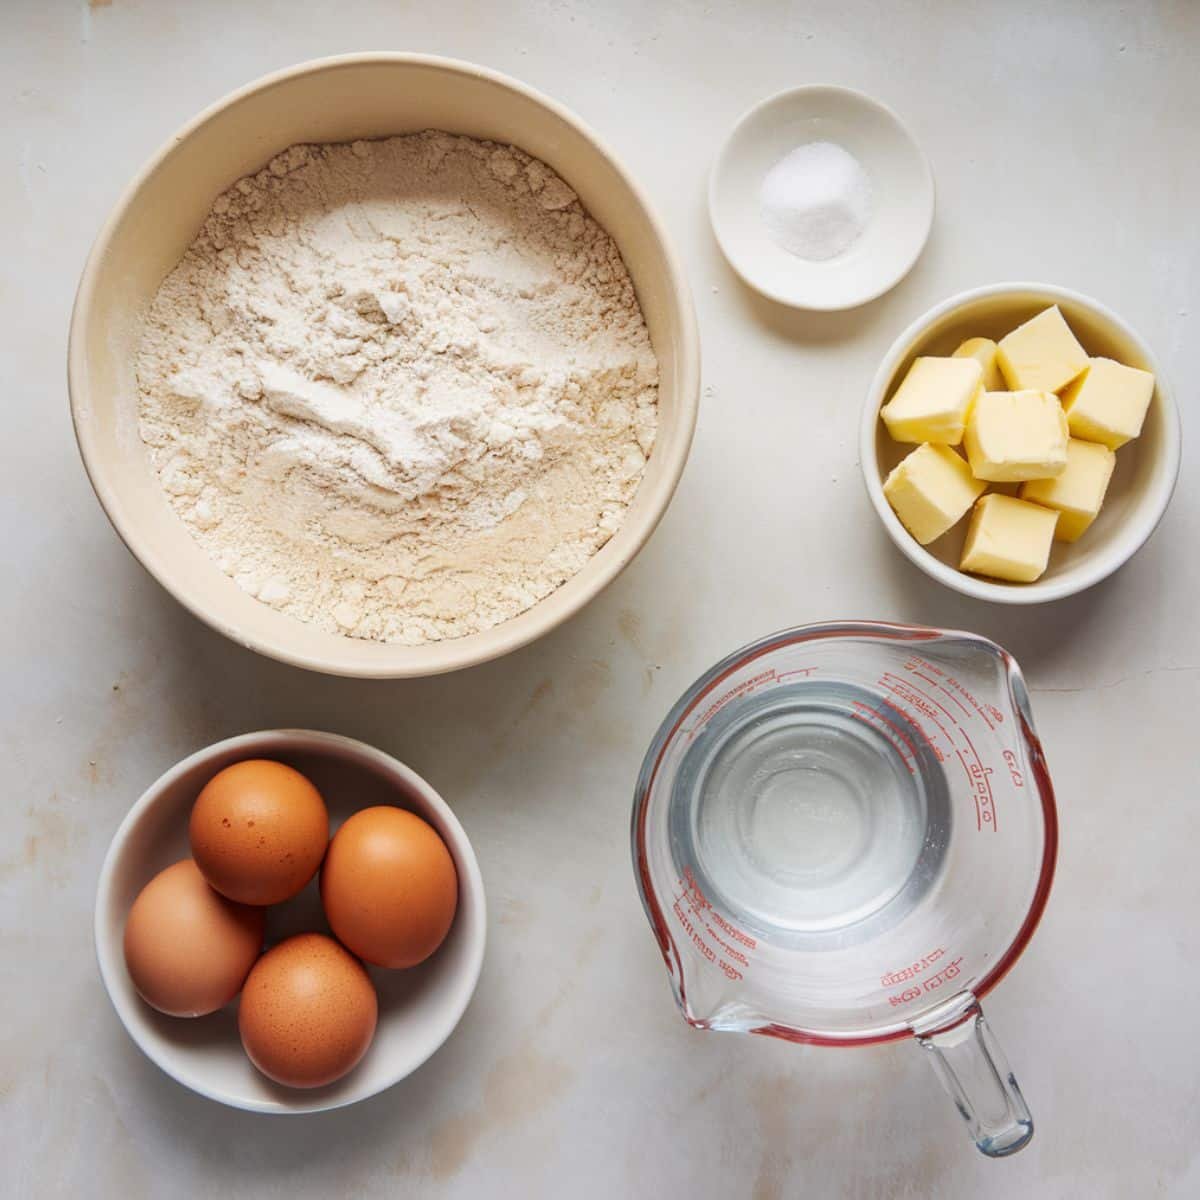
[972, 1068]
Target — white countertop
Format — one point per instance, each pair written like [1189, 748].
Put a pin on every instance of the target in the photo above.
[1063, 143]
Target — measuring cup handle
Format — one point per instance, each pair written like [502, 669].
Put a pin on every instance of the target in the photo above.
[968, 1060]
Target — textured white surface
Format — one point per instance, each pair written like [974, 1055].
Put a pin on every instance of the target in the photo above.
[572, 1072]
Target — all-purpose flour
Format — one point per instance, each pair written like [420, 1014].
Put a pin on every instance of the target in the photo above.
[401, 389]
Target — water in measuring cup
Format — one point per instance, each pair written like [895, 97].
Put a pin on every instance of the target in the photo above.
[802, 820]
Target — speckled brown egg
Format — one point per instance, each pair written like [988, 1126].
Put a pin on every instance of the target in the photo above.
[308, 1012]
[188, 949]
[258, 831]
[389, 887]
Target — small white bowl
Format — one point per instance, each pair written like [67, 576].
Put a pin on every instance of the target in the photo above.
[901, 196]
[1146, 470]
[418, 1008]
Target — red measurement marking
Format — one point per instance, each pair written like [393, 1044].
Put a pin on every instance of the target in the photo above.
[805, 671]
[908, 695]
[902, 974]
[945, 733]
[955, 699]
[701, 923]
[922, 693]
[981, 790]
[916, 661]
[971, 781]
[917, 691]
[928, 699]
[861, 708]
[916, 991]
[1014, 769]
[950, 971]
[742, 689]
[984, 780]
[977, 774]
[910, 706]
[967, 739]
[979, 709]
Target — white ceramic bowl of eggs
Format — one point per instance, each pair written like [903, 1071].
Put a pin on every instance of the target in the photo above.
[1146, 468]
[417, 1008]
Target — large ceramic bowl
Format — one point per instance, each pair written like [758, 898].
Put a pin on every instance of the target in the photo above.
[1146, 469]
[332, 100]
[418, 1008]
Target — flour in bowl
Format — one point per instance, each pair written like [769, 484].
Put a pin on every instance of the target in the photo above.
[400, 389]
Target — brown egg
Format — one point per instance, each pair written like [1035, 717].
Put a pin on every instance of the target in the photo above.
[389, 887]
[187, 949]
[308, 1011]
[258, 831]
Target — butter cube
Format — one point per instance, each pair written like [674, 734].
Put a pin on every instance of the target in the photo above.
[1078, 492]
[983, 351]
[1008, 538]
[932, 403]
[1108, 402]
[1012, 436]
[1042, 354]
[930, 490]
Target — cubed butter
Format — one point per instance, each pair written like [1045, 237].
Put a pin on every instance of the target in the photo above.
[932, 403]
[1042, 354]
[1012, 436]
[1008, 538]
[983, 351]
[1108, 402]
[930, 490]
[1078, 492]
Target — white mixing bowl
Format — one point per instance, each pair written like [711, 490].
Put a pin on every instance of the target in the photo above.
[337, 100]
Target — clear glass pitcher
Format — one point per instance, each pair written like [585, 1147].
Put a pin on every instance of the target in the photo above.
[845, 834]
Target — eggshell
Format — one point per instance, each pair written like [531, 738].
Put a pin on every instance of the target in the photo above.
[188, 949]
[389, 887]
[258, 831]
[308, 1012]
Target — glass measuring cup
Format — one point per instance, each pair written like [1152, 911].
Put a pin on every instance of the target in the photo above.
[845, 834]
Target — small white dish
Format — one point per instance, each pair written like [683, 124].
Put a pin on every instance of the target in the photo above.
[418, 1008]
[1142, 482]
[902, 197]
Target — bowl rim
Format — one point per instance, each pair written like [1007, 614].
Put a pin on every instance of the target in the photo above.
[452, 654]
[110, 956]
[1114, 556]
[719, 166]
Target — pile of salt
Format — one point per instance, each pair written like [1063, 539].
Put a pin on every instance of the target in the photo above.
[816, 201]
